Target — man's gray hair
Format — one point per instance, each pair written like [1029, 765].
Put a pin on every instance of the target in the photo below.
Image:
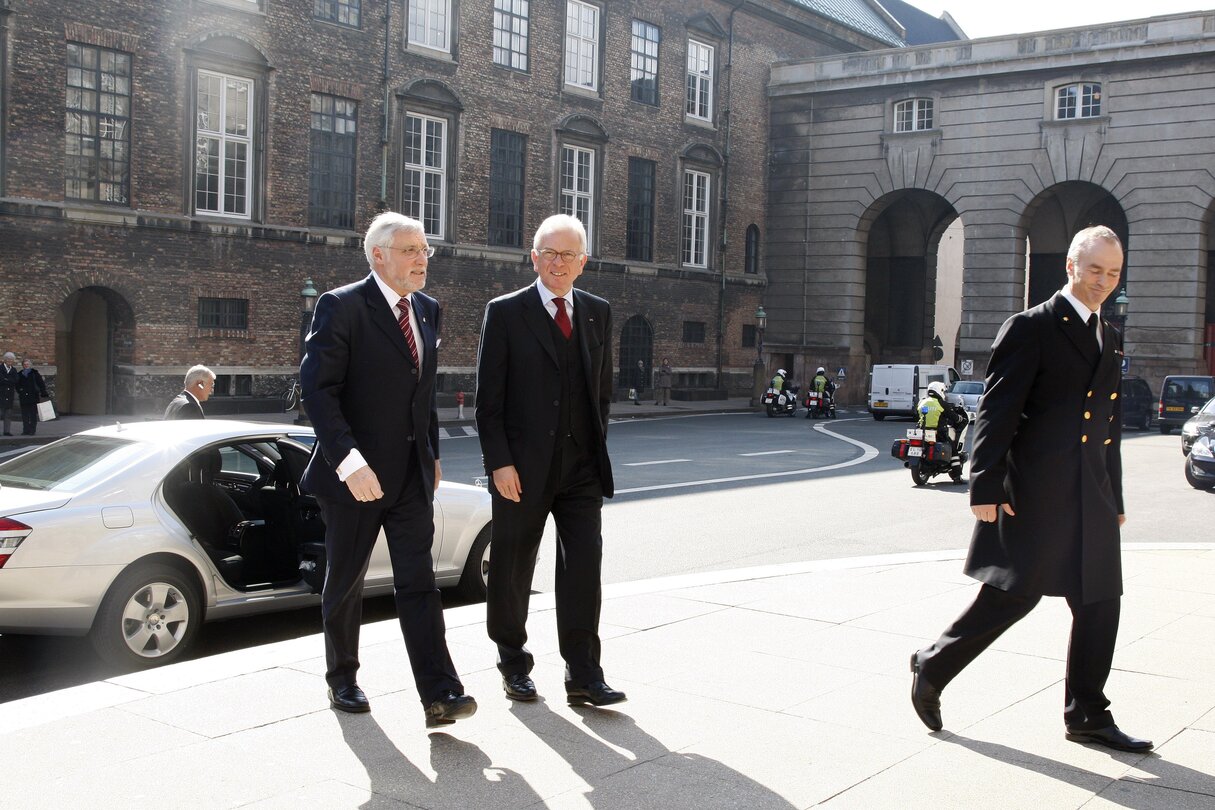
[10, 356]
[1085, 239]
[560, 222]
[384, 228]
[197, 374]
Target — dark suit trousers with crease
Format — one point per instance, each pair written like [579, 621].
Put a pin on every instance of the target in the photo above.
[1090, 651]
[350, 535]
[574, 497]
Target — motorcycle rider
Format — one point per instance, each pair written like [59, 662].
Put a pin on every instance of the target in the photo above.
[937, 414]
[822, 385]
[779, 380]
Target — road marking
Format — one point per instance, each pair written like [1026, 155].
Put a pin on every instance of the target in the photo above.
[869, 452]
[664, 461]
[768, 453]
[458, 432]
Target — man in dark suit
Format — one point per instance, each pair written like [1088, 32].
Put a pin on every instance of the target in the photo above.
[8, 390]
[368, 382]
[1046, 488]
[200, 382]
[544, 383]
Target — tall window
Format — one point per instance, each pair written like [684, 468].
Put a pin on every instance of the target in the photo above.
[510, 33]
[581, 45]
[640, 234]
[751, 251]
[223, 165]
[331, 192]
[430, 24]
[913, 115]
[97, 125]
[578, 186]
[342, 12]
[695, 238]
[506, 151]
[700, 80]
[425, 181]
[223, 313]
[1078, 101]
[643, 70]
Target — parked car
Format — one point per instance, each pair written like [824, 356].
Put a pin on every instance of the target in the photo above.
[1200, 463]
[1181, 396]
[1196, 424]
[1137, 403]
[966, 394]
[136, 534]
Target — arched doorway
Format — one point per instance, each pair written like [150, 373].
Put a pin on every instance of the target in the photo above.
[636, 343]
[901, 275]
[94, 333]
[1054, 217]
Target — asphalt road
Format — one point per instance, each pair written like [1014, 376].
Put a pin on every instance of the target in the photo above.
[717, 492]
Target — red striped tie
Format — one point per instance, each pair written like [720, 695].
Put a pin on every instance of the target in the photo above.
[407, 329]
[562, 319]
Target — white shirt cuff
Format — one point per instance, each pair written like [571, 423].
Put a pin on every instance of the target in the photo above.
[350, 465]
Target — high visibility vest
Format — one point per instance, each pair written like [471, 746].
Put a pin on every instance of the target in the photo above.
[820, 383]
[933, 416]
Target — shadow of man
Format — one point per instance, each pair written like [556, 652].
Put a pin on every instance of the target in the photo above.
[465, 777]
[628, 768]
[1173, 783]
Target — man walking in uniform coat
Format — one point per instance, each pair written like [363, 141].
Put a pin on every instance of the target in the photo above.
[368, 382]
[199, 384]
[544, 383]
[1046, 488]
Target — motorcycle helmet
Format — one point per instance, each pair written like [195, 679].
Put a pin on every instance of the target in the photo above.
[820, 370]
[781, 372]
[937, 388]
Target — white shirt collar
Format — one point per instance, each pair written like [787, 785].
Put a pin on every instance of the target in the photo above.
[1082, 310]
[192, 397]
[390, 295]
[547, 296]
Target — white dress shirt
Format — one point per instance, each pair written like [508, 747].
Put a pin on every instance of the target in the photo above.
[547, 296]
[1084, 312]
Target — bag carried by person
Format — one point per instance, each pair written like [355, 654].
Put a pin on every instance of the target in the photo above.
[46, 411]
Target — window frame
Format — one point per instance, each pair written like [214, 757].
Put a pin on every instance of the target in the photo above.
[509, 33]
[640, 60]
[428, 8]
[639, 241]
[442, 171]
[916, 119]
[573, 193]
[498, 182]
[751, 250]
[698, 81]
[324, 216]
[1083, 90]
[225, 309]
[334, 14]
[689, 217]
[690, 330]
[97, 159]
[253, 126]
[575, 64]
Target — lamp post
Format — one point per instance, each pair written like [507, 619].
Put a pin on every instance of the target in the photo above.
[308, 297]
[1122, 305]
[758, 378]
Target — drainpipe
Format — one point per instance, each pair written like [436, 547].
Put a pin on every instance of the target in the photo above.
[384, 116]
[726, 114]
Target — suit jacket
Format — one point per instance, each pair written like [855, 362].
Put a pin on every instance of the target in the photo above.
[519, 382]
[184, 406]
[361, 390]
[30, 387]
[8, 386]
[1047, 441]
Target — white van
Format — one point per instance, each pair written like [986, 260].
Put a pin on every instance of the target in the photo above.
[895, 389]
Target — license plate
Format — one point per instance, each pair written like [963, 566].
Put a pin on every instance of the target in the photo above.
[1174, 407]
[915, 433]
[880, 403]
[915, 451]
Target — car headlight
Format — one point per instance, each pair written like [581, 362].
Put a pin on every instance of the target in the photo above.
[1202, 449]
[1189, 430]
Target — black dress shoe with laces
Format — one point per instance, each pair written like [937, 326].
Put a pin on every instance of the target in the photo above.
[449, 708]
[925, 698]
[519, 686]
[596, 693]
[1110, 737]
[349, 699]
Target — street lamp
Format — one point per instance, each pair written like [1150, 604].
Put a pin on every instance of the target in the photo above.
[1122, 305]
[761, 323]
[758, 378]
[308, 297]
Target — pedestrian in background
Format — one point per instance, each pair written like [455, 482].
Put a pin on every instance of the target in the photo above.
[8, 390]
[664, 383]
[639, 382]
[30, 389]
[200, 382]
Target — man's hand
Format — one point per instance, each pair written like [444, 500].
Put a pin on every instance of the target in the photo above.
[1122, 520]
[987, 512]
[438, 474]
[364, 486]
[506, 481]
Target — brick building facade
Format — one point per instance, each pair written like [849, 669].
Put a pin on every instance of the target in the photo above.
[172, 174]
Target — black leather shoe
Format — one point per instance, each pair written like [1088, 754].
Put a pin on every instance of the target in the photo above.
[519, 686]
[1110, 737]
[449, 708]
[349, 699]
[596, 693]
[925, 698]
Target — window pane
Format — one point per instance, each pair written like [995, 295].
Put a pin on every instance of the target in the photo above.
[425, 180]
[332, 182]
[510, 33]
[640, 225]
[506, 188]
[577, 185]
[644, 63]
[96, 124]
[224, 115]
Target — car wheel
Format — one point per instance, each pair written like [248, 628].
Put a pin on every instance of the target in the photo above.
[476, 568]
[879, 416]
[149, 617]
[1165, 430]
[1147, 422]
[1193, 481]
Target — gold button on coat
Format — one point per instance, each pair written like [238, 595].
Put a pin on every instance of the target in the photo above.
[1088, 415]
[1083, 439]
[1114, 395]
[1109, 441]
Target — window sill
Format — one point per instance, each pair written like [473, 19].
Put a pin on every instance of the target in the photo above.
[1096, 121]
[349, 29]
[581, 92]
[430, 53]
[926, 134]
[699, 123]
[247, 6]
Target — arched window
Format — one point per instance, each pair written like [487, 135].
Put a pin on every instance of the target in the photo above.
[636, 344]
[751, 252]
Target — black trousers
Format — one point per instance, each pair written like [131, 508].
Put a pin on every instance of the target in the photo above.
[350, 534]
[574, 497]
[1090, 652]
[29, 419]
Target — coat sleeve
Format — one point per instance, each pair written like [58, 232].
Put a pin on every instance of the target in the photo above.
[1113, 459]
[323, 375]
[433, 433]
[605, 373]
[493, 355]
[1010, 378]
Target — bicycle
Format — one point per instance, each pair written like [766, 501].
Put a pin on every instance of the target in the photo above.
[291, 397]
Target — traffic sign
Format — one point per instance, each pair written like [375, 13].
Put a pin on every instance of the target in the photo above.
[842, 373]
[1126, 364]
[968, 367]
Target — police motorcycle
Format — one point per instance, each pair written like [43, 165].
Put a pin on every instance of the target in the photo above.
[780, 402]
[820, 405]
[928, 451]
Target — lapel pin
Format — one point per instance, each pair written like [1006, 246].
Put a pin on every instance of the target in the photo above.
[1066, 319]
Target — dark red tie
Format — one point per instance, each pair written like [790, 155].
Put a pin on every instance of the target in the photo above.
[563, 320]
[407, 329]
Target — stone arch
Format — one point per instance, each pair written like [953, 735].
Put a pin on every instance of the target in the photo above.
[583, 126]
[231, 46]
[94, 337]
[431, 92]
[703, 153]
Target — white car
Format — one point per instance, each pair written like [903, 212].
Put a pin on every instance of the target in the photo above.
[136, 534]
[966, 394]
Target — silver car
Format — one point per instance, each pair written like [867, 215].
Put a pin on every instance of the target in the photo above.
[966, 394]
[136, 534]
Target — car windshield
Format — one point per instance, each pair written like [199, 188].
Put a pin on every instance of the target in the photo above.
[67, 464]
[1209, 408]
[964, 387]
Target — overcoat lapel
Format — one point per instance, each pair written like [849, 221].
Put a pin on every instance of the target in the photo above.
[537, 319]
[381, 316]
[584, 328]
[1074, 326]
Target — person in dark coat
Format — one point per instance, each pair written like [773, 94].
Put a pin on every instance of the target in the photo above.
[30, 389]
[1046, 488]
[8, 390]
[200, 382]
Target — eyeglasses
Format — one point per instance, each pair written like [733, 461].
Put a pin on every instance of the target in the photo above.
[411, 252]
[566, 256]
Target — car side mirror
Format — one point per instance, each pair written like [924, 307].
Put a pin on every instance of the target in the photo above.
[1193, 409]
